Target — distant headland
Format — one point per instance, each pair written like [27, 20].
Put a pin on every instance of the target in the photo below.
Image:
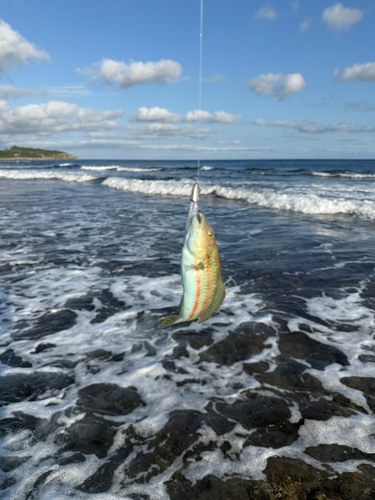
[17, 153]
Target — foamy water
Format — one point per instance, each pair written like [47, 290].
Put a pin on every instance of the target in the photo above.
[97, 402]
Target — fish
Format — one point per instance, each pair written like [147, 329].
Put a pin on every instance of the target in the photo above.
[204, 290]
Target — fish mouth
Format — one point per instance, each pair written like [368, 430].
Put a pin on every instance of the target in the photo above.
[200, 218]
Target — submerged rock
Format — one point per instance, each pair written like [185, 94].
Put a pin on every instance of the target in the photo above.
[246, 341]
[108, 399]
[18, 387]
[301, 346]
[9, 358]
[48, 325]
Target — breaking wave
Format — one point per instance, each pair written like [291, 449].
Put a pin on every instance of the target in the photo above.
[312, 204]
[349, 175]
[122, 169]
[35, 174]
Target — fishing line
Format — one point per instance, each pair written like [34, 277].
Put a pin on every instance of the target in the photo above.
[200, 82]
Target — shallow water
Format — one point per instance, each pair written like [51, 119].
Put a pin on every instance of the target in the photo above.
[278, 384]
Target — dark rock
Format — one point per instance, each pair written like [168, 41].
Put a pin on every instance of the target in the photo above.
[179, 433]
[290, 375]
[170, 366]
[337, 453]
[69, 364]
[212, 488]
[9, 358]
[367, 358]
[80, 303]
[9, 463]
[364, 384]
[99, 354]
[76, 458]
[43, 347]
[48, 324]
[18, 423]
[88, 435]
[151, 351]
[180, 351]
[270, 416]
[118, 357]
[324, 409]
[301, 346]
[18, 387]
[108, 399]
[293, 476]
[260, 367]
[196, 340]
[110, 306]
[9, 481]
[246, 341]
[102, 479]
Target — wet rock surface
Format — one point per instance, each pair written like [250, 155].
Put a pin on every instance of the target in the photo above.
[261, 409]
[48, 324]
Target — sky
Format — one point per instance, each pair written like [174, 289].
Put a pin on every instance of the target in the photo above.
[119, 79]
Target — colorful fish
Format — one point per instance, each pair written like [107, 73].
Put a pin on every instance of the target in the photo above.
[204, 289]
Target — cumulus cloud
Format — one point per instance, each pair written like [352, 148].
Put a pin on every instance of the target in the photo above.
[266, 13]
[163, 115]
[360, 72]
[53, 117]
[15, 50]
[167, 130]
[338, 17]
[134, 73]
[313, 128]
[280, 86]
[305, 25]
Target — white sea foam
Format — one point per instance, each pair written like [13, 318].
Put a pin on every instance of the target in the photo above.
[349, 175]
[103, 167]
[121, 169]
[205, 167]
[43, 174]
[66, 164]
[287, 199]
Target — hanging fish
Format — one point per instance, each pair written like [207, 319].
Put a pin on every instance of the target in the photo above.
[204, 289]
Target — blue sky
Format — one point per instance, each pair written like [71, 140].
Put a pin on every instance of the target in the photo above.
[119, 79]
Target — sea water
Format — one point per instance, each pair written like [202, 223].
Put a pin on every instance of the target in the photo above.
[96, 401]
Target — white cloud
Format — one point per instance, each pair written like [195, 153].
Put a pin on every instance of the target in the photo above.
[215, 79]
[166, 130]
[313, 128]
[294, 7]
[15, 50]
[339, 17]
[216, 117]
[163, 115]
[266, 13]
[278, 85]
[10, 92]
[69, 91]
[53, 117]
[305, 25]
[360, 72]
[134, 73]
[156, 115]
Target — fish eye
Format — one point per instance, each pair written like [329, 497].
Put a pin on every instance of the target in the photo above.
[210, 234]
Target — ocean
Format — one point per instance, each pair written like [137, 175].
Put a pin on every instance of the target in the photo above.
[274, 396]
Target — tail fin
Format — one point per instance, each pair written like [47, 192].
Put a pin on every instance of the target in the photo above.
[170, 320]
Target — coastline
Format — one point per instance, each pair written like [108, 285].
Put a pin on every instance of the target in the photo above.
[44, 158]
